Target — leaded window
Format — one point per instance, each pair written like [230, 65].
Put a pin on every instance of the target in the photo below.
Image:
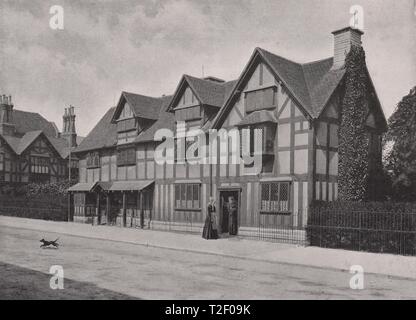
[275, 197]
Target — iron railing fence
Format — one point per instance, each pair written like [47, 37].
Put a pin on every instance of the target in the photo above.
[281, 228]
[372, 231]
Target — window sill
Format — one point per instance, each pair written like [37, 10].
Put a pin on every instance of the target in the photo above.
[280, 213]
[187, 209]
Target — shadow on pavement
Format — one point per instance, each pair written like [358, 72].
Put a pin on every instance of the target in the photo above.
[18, 283]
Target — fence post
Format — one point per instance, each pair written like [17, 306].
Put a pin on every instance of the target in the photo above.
[320, 227]
[359, 230]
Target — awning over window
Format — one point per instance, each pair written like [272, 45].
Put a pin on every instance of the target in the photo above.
[134, 185]
[103, 185]
[82, 187]
[255, 117]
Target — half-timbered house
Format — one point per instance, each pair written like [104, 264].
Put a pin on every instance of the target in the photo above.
[295, 105]
[32, 149]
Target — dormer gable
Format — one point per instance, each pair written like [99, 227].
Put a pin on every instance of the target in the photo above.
[134, 114]
[187, 99]
[125, 113]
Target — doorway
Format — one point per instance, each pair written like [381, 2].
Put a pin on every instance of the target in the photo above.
[229, 211]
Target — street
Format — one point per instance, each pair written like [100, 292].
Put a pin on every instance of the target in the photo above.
[103, 269]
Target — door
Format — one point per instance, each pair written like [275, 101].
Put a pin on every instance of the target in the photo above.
[230, 208]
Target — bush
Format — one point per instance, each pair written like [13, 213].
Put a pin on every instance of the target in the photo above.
[37, 201]
[384, 227]
[58, 189]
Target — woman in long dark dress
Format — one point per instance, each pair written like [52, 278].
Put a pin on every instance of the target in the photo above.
[210, 229]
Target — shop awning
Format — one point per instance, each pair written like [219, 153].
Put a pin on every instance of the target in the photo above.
[82, 187]
[134, 185]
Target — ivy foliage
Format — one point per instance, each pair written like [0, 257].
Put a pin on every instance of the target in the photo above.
[400, 141]
[353, 149]
[53, 190]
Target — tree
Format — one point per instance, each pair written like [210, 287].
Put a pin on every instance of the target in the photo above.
[400, 140]
[353, 149]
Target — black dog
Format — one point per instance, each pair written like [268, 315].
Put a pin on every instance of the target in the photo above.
[46, 243]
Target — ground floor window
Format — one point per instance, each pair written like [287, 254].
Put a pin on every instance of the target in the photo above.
[187, 196]
[275, 197]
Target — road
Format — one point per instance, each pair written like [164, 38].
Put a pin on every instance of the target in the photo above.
[102, 269]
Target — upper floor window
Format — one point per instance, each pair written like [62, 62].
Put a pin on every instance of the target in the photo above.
[1, 161]
[126, 156]
[93, 159]
[261, 99]
[265, 141]
[275, 197]
[39, 165]
[126, 125]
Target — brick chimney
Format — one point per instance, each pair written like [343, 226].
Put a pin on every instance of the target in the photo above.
[68, 129]
[7, 126]
[343, 40]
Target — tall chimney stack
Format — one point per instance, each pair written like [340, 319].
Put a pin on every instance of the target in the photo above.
[344, 39]
[68, 130]
[7, 126]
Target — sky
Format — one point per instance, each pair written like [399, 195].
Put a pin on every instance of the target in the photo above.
[145, 46]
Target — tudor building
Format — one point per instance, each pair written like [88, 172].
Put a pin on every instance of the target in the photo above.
[296, 105]
[32, 149]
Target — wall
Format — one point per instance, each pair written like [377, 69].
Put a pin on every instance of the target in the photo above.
[291, 158]
[326, 165]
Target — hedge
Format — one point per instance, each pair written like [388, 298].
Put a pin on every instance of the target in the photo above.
[37, 201]
[383, 227]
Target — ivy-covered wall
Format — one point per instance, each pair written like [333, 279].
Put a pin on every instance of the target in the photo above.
[353, 173]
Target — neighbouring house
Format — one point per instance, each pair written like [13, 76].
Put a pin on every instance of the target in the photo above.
[297, 107]
[32, 149]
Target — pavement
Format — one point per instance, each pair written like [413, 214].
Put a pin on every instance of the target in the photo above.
[373, 263]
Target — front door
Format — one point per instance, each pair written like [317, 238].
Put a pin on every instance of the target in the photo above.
[230, 208]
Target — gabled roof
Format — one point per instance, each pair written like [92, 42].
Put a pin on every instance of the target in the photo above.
[12, 141]
[208, 92]
[20, 144]
[166, 120]
[142, 106]
[30, 121]
[103, 135]
[291, 73]
[61, 145]
[310, 84]
[27, 140]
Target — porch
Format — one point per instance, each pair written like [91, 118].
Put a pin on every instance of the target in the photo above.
[121, 203]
